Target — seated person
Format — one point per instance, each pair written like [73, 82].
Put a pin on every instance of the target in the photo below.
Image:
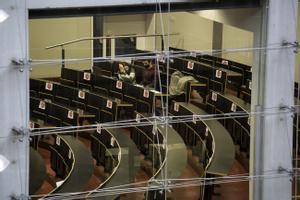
[126, 73]
[149, 76]
[178, 85]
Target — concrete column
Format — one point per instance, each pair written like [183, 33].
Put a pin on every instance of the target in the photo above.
[275, 81]
[14, 106]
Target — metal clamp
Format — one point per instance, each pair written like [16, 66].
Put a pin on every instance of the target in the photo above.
[20, 63]
[20, 132]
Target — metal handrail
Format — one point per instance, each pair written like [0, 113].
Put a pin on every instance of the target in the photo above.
[104, 37]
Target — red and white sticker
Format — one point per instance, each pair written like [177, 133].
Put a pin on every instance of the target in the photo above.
[57, 141]
[87, 76]
[81, 94]
[225, 62]
[176, 107]
[214, 96]
[146, 94]
[119, 85]
[31, 125]
[109, 104]
[42, 105]
[190, 65]
[70, 114]
[233, 107]
[218, 74]
[49, 86]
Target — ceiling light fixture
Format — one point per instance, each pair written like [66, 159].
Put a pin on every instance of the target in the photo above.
[3, 163]
[3, 15]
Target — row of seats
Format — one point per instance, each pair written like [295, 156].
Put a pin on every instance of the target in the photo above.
[112, 87]
[104, 108]
[52, 113]
[219, 62]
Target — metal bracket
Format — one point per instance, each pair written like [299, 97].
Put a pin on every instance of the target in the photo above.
[294, 44]
[282, 170]
[20, 132]
[20, 63]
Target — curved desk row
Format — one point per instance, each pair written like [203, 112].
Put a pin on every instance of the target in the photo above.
[223, 147]
[75, 161]
[239, 127]
[127, 168]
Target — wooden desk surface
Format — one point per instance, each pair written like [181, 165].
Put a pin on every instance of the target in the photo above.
[223, 152]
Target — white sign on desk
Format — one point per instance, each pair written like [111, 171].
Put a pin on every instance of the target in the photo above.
[99, 128]
[31, 124]
[190, 65]
[112, 141]
[218, 74]
[146, 94]
[49, 86]
[81, 94]
[225, 62]
[214, 96]
[87, 76]
[206, 132]
[70, 154]
[70, 114]
[58, 141]
[154, 130]
[109, 104]
[233, 107]
[176, 107]
[119, 85]
[138, 118]
[42, 105]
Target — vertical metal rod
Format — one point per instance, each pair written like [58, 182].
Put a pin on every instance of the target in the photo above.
[258, 152]
[63, 57]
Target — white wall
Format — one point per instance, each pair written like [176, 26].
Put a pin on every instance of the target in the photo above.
[195, 32]
[45, 32]
[238, 30]
[235, 38]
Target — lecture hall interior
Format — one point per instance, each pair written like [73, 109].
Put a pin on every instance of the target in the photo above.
[149, 99]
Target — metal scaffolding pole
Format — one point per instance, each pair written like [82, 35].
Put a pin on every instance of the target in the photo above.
[272, 139]
[14, 104]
